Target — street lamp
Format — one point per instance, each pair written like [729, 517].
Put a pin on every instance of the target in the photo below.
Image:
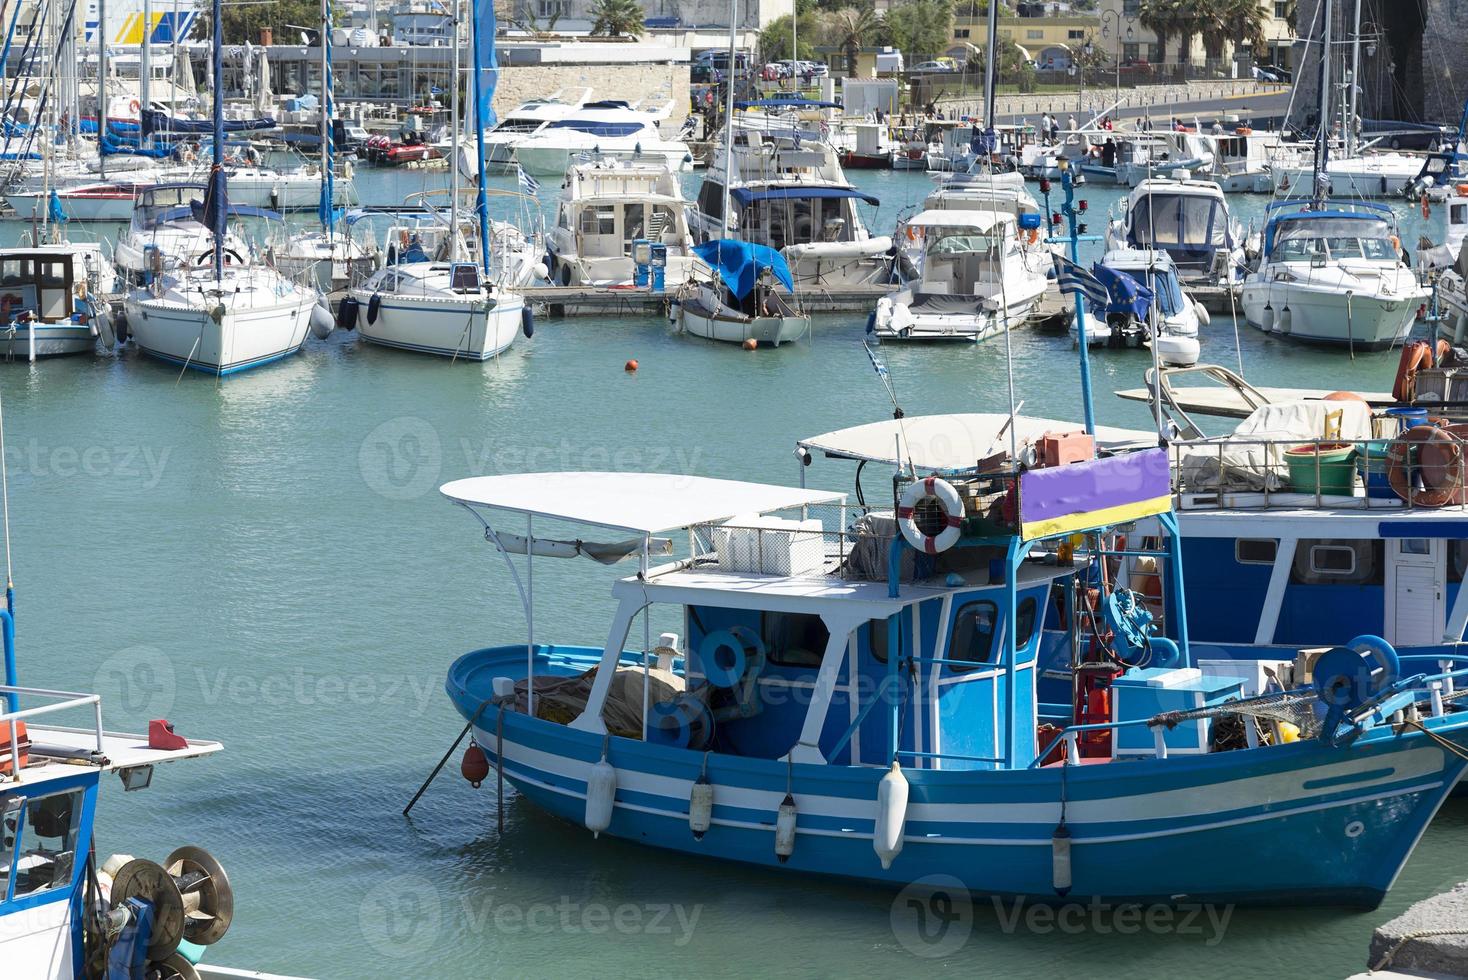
[1116, 53]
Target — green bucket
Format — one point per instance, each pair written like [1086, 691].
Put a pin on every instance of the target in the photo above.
[1328, 470]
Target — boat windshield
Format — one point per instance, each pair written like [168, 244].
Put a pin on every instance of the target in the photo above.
[1179, 219]
[954, 243]
[1333, 238]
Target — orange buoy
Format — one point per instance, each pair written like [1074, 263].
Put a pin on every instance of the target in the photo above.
[475, 766]
[750, 343]
[630, 366]
[1414, 355]
[1426, 207]
[1343, 396]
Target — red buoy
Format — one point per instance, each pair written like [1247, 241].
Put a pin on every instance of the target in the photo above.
[750, 343]
[475, 766]
[630, 366]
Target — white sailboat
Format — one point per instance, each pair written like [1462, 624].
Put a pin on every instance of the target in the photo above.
[447, 307]
[230, 318]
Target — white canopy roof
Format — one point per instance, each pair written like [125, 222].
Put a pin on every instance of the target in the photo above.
[647, 503]
[945, 442]
[978, 220]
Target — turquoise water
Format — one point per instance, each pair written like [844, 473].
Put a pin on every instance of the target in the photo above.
[265, 561]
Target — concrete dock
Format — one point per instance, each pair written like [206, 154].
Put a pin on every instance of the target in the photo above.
[1430, 939]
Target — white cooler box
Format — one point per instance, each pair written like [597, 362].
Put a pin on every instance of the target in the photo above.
[770, 546]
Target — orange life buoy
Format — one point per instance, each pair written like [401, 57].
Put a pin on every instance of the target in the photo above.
[1426, 207]
[1434, 456]
[133, 106]
[1415, 355]
[911, 233]
[1443, 346]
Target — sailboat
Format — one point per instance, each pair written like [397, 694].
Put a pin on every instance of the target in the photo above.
[240, 316]
[328, 255]
[734, 298]
[446, 304]
[1331, 271]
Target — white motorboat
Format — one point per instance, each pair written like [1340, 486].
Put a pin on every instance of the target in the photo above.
[1189, 220]
[606, 129]
[1331, 272]
[1148, 306]
[606, 212]
[792, 195]
[734, 297]
[444, 308]
[524, 121]
[978, 275]
[1372, 175]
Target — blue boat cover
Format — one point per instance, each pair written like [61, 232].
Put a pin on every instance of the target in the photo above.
[1127, 295]
[739, 264]
[743, 196]
[160, 122]
[486, 70]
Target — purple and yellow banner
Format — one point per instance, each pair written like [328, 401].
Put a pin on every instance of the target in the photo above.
[1096, 493]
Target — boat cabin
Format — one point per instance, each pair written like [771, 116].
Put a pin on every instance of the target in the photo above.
[1188, 219]
[38, 284]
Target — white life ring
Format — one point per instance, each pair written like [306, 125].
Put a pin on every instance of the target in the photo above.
[948, 502]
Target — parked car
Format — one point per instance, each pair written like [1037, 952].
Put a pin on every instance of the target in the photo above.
[1136, 67]
[1273, 73]
[814, 69]
[931, 68]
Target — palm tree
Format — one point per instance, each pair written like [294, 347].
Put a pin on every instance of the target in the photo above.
[1161, 17]
[617, 18]
[848, 29]
[1244, 22]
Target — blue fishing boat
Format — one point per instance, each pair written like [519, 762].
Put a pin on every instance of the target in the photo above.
[854, 693]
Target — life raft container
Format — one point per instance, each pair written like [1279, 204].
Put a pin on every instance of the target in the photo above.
[1429, 454]
[929, 493]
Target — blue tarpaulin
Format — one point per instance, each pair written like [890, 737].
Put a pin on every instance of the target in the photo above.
[58, 216]
[743, 196]
[739, 264]
[1127, 295]
[160, 122]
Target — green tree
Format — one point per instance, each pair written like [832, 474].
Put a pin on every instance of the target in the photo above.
[1014, 68]
[244, 22]
[849, 28]
[1223, 21]
[921, 29]
[617, 18]
[1166, 19]
[774, 40]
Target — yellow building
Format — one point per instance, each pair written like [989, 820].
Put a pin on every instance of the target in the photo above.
[1123, 40]
[1049, 41]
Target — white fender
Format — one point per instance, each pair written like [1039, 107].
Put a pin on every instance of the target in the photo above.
[601, 796]
[322, 322]
[785, 829]
[1204, 317]
[891, 815]
[700, 807]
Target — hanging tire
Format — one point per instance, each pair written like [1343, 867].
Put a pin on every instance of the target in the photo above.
[346, 314]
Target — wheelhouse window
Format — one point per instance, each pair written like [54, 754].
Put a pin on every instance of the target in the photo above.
[1256, 551]
[877, 638]
[794, 639]
[1327, 239]
[40, 846]
[1177, 219]
[1338, 562]
[972, 637]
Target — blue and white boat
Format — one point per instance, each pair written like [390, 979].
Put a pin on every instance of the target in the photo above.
[854, 694]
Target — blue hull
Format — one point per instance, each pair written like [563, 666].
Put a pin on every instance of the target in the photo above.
[1302, 823]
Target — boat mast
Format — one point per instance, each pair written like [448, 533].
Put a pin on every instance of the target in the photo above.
[454, 135]
[991, 69]
[328, 216]
[1322, 130]
[481, 200]
[216, 174]
[729, 128]
[102, 83]
[145, 71]
[1355, 87]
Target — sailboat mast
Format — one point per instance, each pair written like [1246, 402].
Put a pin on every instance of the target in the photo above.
[328, 215]
[102, 84]
[729, 126]
[216, 174]
[991, 66]
[145, 70]
[481, 200]
[1322, 133]
[1350, 122]
[455, 136]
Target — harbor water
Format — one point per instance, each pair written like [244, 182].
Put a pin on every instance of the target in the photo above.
[266, 561]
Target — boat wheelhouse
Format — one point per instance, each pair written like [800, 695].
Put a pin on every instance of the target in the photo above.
[50, 301]
[1189, 220]
[853, 693]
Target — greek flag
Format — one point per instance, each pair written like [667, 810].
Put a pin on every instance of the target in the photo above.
[528, 184]
[1074, 278]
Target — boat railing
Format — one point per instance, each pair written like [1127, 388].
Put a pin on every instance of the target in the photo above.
[1242, 473]
[58, 701]
[1391, 704]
